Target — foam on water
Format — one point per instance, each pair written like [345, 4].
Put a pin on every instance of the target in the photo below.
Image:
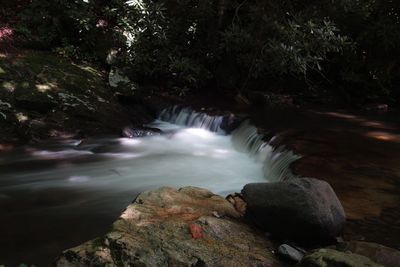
[201, 155]
[190, 156]
[65, 193]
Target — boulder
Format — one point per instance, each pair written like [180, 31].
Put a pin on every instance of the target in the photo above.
[380, 254]
[306, 210]
[333, 258]
[169, 227]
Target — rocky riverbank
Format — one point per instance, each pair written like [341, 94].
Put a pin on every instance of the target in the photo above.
[44, 96]
[194, 227]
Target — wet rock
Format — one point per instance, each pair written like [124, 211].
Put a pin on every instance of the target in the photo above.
[386, 256]
[333, 258]
[290, 253]
[230, 122]
[132, 132]
[306, 210]
[169, 227]
[237, 201]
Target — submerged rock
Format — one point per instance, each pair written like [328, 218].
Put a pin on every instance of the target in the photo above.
[333, 258]
[169, 227]
[306, 210]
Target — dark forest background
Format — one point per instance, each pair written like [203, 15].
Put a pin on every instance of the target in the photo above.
[341, 51]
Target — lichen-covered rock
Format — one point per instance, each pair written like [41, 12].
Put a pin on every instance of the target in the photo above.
[169, 227]
[306, 210]
[333, 258]
[386, 256]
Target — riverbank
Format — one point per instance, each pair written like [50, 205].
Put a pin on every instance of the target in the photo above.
[44, 96]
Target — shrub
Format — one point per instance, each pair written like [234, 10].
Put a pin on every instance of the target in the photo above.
[345, 46]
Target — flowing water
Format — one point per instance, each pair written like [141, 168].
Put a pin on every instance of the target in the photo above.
[58, 195]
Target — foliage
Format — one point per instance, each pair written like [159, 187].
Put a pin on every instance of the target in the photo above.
[346, 47]
[79, 28]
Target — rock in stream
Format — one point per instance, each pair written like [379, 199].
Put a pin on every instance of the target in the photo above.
[306, 210]
[169, 227]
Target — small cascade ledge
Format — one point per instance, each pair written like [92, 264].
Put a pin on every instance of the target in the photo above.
[244, 136]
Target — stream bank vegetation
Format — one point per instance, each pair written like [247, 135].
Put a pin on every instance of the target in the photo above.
[336, 51]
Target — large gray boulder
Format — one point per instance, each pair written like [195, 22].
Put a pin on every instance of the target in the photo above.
[306, 210]
[169, 227]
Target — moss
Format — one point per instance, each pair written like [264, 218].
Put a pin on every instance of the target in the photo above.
[44, 77]
[45, 68]
[66, 97]
[97, 242]
[334, 258]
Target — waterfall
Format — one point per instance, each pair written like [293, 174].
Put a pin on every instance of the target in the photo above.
[276, 161]
[187, 117]
[245, 138]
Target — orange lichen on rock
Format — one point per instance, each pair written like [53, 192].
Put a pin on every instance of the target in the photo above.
[196, 231]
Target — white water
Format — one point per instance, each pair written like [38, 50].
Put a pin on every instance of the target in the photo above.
[191, 156]
[182, 157]
[59, 195]
[187, 117]
[187, 156]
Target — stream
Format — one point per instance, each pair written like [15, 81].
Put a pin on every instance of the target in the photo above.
[57, 195]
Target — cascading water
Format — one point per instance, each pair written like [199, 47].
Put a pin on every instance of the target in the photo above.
[83, 186]
[245, 138]
[187, 117]
[276, 161]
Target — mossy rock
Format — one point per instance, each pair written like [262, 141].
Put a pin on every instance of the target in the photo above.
[381, 254]
[46, 72]
[333, 258]
[26, 98]
[37, 84]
